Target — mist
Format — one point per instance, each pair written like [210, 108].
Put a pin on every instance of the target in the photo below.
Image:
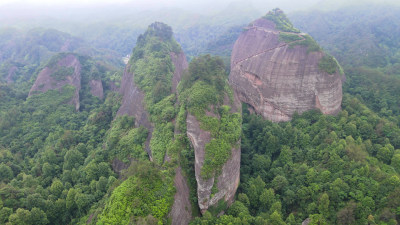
[68, 15]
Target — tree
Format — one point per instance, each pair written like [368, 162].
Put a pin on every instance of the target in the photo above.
[347, 215]
[244, 199]
[38, 217]
[70, 201]
[323, 204]
[396, 162]
[20, 217]
[291, 220]
[56, 187]
[72, 159]
[236, 208]
[384, 154]
[279, 182]
[4, 214]
[317, 219]
[276, 219]
[267, 198]
[6, 173]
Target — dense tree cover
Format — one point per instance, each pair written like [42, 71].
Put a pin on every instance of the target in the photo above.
[333, 169]
[362, 36]
[52, 164]
[145, 197]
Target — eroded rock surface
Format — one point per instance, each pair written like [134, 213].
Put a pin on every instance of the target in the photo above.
[96, 88]
[181, 212]
[133, 105]
[45, 81]
[228, 179]
[11, 74]
[181, 64]
[278, 80]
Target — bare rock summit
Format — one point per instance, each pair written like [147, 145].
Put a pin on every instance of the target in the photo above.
[278, 70]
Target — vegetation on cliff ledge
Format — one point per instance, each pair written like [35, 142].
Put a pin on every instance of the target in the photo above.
[281, 21]
[203, 90]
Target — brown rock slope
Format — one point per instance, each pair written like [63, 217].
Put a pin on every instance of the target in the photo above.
[133, 104]
[96, 88]
[66, 71]
[280, 77]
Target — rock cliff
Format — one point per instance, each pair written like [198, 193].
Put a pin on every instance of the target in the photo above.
[180, 64]
[141, 100]
[96, 88]
[278, 71]
[213, 127]
[227, 181]
[133, 105]
[66, 70]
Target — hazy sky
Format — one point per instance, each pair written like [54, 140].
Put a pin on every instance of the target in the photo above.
[151, 4]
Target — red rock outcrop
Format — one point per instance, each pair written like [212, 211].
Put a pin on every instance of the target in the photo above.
[45, 81]
[181, 212]
[228, 180]
[133, 105]
[278, 79]
[181, 64]
[96, 88]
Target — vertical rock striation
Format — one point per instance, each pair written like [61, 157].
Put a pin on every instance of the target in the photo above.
[228, 180]
[278, 78]
[133, 105]
[96, 88]
[180, 64]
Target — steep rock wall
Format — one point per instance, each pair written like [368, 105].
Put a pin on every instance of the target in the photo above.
[277, 79]
[133, 105]
[181, 64]
[45, 81]
[181, 212]
[228, 179]
[96, 88]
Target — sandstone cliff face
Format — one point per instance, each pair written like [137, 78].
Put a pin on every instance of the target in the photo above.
[181, 212]
[96, 88]
[228, 180]
[181, 64]
[278, 80]
[11, 74]
[133, 105]
[45, 81]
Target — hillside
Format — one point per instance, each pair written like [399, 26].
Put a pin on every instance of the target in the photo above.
[263, 133]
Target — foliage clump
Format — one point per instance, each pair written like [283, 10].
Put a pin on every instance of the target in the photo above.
[329, 64]
[288, 38]
[148, 193]
[309, 42]
[281, 21]
[62, 72]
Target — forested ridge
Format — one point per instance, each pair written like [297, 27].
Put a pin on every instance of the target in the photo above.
[56, 163]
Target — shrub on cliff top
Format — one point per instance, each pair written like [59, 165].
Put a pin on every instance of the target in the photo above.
[281, 21]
